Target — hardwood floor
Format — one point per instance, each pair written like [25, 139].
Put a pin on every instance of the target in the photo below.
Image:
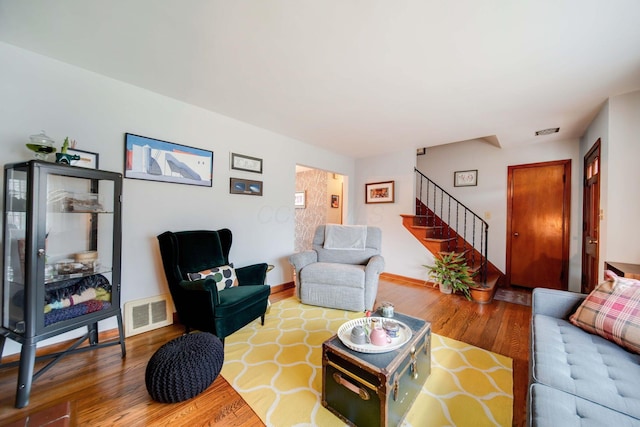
[102, 389]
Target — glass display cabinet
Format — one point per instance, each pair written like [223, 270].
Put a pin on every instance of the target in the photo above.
[62, 244]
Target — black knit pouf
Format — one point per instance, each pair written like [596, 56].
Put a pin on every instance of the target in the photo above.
[184, 367]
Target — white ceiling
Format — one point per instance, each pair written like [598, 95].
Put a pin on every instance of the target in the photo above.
[359, 77]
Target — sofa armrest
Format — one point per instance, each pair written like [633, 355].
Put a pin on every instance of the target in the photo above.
[375, 266]
[255, 274]
[372, 273]
[302, 259]
[555, 303]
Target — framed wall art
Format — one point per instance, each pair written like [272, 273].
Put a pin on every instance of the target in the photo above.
[335, 201]
[155, 160]
[465, 178]
[245, 186]
[87, 159]
[246, 163]
[379, 192]
[300, 200]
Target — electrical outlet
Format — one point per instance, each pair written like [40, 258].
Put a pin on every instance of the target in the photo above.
[487, 215]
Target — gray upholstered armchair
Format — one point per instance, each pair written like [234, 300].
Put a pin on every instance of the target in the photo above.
[343, 268]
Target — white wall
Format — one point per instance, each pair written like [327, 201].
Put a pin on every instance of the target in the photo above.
[403, 254]
[624, 179]
[489, 198]
[39, 93]
[617, 124]
[598, 129]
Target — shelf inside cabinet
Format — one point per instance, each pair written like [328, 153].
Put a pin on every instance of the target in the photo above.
[76, 274]
[66, 202]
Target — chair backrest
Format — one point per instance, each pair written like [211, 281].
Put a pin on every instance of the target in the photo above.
[373, 247]
[192, 251]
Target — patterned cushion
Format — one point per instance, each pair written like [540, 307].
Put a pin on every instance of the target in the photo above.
[225, 276]
[612, 311]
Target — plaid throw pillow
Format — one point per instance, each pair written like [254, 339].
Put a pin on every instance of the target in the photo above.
[612, 311]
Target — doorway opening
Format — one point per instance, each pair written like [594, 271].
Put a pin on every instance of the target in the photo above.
[324, 202]
[591, 219]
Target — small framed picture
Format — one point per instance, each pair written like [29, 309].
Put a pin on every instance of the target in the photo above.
[246, 163]
[300, 201]
[245, 186]
[465, 178]
[87, 159]
[335, 201]
[379, 192]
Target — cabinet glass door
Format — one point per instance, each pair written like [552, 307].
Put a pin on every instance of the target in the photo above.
[59, 229]
[15, 223]
[79, 229]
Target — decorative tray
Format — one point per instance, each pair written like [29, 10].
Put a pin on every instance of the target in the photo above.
[344, 334]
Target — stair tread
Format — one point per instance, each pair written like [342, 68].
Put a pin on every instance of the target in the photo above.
[492, 280]
[435, 239]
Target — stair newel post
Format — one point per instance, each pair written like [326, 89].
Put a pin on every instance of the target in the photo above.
[449, 222]
[486, 262]
[473, 242]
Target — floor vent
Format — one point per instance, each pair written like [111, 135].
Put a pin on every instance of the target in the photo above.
[147, 314]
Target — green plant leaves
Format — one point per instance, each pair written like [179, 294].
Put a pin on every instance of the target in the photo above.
[451, 269]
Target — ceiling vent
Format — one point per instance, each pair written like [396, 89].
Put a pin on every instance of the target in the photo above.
[547, 131]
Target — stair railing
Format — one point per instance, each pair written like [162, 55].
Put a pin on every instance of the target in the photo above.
[453, 222]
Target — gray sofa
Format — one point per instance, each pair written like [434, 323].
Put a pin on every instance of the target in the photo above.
[338, 278]
[577, 378]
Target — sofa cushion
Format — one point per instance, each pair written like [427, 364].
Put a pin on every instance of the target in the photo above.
[612, 310]
[233, 300]
[334, 274]
[586, 365]
[372, 247]
[551, 407]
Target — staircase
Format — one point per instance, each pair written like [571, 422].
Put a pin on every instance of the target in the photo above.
[443, 224]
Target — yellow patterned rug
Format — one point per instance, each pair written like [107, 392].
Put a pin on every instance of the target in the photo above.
[277, 369]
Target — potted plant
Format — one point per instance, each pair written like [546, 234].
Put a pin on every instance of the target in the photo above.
[451, 272]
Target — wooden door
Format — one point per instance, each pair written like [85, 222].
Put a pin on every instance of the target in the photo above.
[591, 218]
[538, 215]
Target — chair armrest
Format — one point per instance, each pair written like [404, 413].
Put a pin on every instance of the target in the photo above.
[302, 259]
[375, 265]
[252, 274]
[555, 303]
[203, 288]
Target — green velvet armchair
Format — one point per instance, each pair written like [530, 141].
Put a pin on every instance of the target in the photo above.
[199, 303]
